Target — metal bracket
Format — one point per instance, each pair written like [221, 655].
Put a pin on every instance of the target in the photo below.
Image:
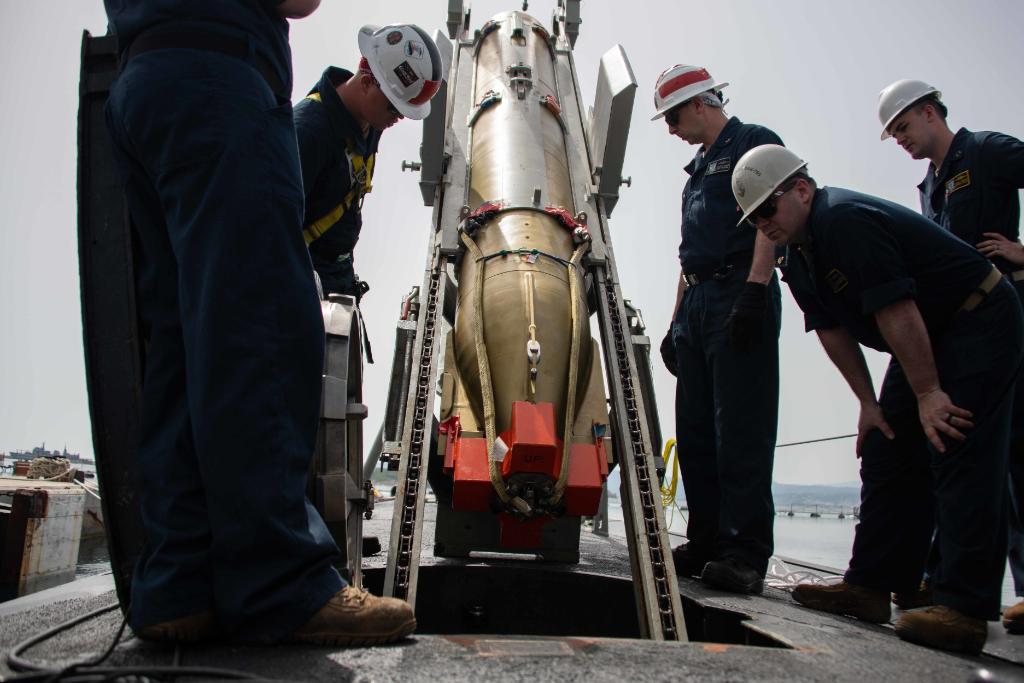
[455, 17]
[391, 455]
[489, 99]
[368, 499]
[335, 398]
[608, 128]
[520, 79]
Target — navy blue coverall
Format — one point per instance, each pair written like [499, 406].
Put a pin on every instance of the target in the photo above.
[235, 335]
[726, 399]
[861, 255]
[329, 137]
[976, 191]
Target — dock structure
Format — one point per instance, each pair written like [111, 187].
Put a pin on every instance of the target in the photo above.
[41, 523]
[816, 511]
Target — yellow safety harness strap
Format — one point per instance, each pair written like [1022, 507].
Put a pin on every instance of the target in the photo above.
[362, 173]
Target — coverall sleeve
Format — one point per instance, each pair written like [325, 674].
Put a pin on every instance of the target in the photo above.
[682, 223]
[313, 147]
[815, 316]
[1003, 156]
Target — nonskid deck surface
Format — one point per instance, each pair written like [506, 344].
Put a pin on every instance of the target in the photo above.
[789, 642]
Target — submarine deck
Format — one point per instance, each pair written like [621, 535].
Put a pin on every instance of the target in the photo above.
[748, 638]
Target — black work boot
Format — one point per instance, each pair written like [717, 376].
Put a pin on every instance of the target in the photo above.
[922, 597]
[732, 575]
[688, 560]
[189, 629]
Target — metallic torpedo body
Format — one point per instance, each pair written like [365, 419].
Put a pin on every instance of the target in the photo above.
[524, 416]
[499, 394]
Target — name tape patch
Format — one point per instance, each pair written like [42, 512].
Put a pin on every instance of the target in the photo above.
[958, 182]
[719, 166]
[836, 281]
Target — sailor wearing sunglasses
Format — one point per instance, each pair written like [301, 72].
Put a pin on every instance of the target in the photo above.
[934, 444]
[722, 346]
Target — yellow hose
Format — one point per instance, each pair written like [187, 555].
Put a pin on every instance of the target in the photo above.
[668, 493]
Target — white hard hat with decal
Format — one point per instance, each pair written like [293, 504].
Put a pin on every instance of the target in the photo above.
[680, 83]
[759, 172]
[406, 63]
[900, 96]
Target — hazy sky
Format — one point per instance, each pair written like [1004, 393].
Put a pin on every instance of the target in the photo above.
[809, 70]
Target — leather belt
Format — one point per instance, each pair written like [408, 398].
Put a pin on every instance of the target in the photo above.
[718, 271]
[981, 291]
[210, 41]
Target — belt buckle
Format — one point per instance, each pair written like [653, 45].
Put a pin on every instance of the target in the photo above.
[723, 272]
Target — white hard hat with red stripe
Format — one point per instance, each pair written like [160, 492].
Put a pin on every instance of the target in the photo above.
[680, 83]
[897, 97]
[406, 63]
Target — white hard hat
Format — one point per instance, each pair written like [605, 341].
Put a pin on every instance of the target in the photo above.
[898, 97]
[759, 172]
[406, 63]
[678, 84]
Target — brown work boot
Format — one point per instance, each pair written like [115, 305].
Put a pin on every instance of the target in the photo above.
[1013, 618]
[847, 599]
[922, 597]
[190, 629]
[355, 617]
[943, 628]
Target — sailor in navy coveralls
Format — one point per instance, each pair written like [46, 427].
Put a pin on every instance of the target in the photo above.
[971, 188]
[934, 445]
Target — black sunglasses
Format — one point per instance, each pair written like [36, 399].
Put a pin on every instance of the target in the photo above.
[770, 205]
[672, 115]
[391, 107]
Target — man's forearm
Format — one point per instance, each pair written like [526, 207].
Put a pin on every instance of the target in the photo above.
[903, 329]
[845, 354]
[762, 265]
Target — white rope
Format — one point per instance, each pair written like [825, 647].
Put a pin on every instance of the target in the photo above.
[87, 489]
[49, 469]
[781, 576]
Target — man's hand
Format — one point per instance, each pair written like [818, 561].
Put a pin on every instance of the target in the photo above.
[746, 319]
[938, 414]
[871, 417]
[296, 9]
[668, 352]
[999, 245]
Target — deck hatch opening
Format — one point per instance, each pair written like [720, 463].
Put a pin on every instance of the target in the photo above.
[529, 599]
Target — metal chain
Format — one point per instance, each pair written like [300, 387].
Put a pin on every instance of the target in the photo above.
[415, 469]
[648, 498]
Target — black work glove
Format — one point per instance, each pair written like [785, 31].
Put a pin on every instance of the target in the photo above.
[668, 352]
[362, 287]
[746, 319]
